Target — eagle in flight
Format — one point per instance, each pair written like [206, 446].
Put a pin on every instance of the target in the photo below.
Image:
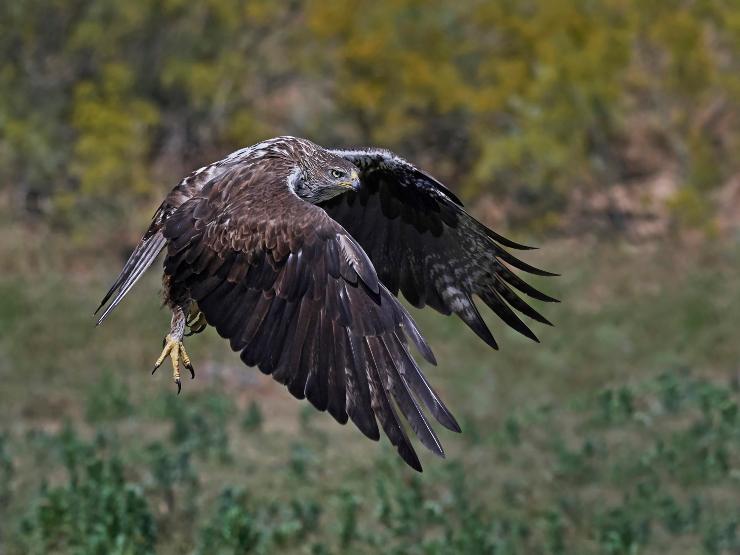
[296, 255]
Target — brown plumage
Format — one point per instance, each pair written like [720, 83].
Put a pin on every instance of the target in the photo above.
[295, 254]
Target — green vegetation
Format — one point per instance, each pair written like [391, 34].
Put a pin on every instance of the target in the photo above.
[527, 100]
[619, 434]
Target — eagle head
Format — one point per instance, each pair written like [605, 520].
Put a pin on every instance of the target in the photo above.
[320, 175]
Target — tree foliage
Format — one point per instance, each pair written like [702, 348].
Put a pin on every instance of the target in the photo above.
[525, 99]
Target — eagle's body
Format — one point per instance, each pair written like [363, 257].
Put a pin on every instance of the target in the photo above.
[295, 254]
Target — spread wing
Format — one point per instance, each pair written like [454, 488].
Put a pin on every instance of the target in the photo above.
[153, 241]
[423, 243]
[297, 296]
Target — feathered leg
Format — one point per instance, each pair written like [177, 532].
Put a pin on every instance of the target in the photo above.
[174, 347]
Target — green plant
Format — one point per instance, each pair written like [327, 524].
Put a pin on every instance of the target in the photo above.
[108, 399]
[97, 512]
[253, 418]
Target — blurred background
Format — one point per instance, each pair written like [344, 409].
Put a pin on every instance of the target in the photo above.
[606, 132]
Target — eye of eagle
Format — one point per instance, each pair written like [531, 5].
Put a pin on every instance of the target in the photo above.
[336, 174]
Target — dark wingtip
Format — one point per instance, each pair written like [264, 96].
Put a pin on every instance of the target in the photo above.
[418, 339]
[523, 266]
[528, 333]
[109, 294]
[508, 242]
[540, 272]
[513, 321]
[442, 414]
[532, 313]
[431, 442]
[410, 457]
[487, 337]
[452, 425]
[102, 304]
[470, 315]
[100, 320]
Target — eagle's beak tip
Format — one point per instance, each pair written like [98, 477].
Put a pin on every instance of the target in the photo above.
[355, 181]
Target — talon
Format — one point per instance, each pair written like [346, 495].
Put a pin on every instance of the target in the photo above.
[167, 349]
[196, 324]
[172, 346]
[176, 351]
[186, 361]
[193, 331]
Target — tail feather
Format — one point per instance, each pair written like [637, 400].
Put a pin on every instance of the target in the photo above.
[143, 256]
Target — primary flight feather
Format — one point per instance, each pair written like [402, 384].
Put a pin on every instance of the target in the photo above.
[296, 253]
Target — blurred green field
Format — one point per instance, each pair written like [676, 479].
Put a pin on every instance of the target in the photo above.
[620, 433]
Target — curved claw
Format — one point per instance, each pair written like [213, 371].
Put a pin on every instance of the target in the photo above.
[176, 351]
[196, 324]
[193, 331]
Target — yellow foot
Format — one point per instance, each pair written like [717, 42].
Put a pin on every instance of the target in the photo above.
[177, 353]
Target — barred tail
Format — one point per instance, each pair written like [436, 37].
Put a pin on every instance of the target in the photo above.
[144, 254]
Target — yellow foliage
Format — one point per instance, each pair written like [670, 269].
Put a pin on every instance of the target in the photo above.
[114, 132]
[691, 208]
[510, 96]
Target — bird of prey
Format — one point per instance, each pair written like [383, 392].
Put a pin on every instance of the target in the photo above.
[296, 255]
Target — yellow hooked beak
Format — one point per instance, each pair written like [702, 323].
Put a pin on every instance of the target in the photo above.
[353, 182]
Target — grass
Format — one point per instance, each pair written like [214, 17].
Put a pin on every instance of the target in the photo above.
[618, 434]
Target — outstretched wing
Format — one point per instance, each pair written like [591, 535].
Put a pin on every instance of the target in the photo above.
[423, 243]
[298, 298]
[153, 241]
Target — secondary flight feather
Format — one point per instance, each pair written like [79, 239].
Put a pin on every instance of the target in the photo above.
[296, 254]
